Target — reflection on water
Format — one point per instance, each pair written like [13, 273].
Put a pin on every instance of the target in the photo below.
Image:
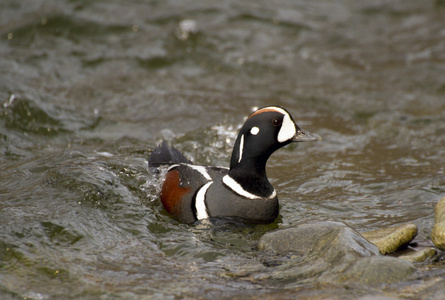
[87, 89]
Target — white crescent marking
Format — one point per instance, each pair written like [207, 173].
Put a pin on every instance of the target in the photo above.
[287, 130]
[200, 205]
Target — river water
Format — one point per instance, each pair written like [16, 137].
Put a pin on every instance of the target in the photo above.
[88, 88]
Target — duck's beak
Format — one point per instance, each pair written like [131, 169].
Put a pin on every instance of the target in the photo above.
[305, 136]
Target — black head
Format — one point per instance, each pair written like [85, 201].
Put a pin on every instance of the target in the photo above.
[266, 130]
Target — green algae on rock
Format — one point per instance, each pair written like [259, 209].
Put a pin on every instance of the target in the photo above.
[390, 239]
[419, 255]
[438, 233]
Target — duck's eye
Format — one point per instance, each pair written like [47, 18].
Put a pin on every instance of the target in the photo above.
[276, 122]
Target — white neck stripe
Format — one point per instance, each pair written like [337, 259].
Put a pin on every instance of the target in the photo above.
[237, 188]
[200, 205]
[241, 147]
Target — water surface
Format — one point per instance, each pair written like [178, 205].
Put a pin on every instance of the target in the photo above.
[88, 88]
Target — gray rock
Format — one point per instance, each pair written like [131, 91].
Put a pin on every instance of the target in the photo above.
[331, 252]
[438, 234]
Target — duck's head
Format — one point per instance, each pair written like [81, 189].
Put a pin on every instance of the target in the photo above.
[265, 131]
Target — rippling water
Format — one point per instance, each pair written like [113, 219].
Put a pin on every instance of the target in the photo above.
[88, 88]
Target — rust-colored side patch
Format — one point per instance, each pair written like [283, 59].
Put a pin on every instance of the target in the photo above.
[172, 194]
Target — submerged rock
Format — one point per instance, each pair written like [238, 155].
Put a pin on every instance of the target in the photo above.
[390, 239]
[330, 252]
[305, 238]
[379, 269]
[438, 234]
[419, 255]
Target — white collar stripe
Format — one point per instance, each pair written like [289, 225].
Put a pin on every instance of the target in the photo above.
[237, 188]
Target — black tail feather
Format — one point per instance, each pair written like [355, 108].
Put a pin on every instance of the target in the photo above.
[165, 155]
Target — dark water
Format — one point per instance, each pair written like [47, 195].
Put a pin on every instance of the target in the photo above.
[88, 88]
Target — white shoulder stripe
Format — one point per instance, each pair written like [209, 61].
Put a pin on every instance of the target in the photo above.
[200, 205]
[172, 166]
[201, 170]
[237, 188]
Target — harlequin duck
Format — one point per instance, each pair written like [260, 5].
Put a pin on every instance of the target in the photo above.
[192, 192]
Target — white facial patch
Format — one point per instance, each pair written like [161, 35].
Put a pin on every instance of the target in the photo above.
[241, 147]
[287, 130]
[254, 130]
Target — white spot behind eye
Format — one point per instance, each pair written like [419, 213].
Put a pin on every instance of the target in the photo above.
[254, 130]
